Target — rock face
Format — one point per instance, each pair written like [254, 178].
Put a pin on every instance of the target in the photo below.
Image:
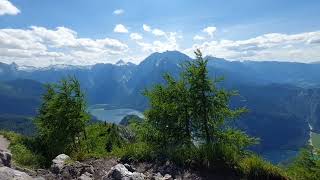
[5, 158]
[120, 172]
[59, 162]
[62, 169]
[7, 173]
[75, 170]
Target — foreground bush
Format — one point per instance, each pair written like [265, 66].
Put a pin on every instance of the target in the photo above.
[136, 152]
[22, 151]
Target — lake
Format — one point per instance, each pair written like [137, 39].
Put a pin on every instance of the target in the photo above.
[105, 112]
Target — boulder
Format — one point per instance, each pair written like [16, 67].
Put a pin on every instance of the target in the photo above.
[120, 172]
[5, 158]
[86, 176]
[76, 169]
[158, 176]
[59, 162]
[7, 173]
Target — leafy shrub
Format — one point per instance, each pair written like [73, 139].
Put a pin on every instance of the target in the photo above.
[135, 152]
[183, 155]
[25, 157]
[253, 167]
[22, 150]
[218, 155]
[306, 165]
[100, 140]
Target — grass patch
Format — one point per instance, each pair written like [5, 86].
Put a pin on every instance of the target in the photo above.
[22, 152]
[254, 167]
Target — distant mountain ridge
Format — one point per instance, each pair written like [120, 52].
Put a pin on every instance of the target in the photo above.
[260, 72]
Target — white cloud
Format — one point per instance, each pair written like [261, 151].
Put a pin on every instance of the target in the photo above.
[39, 46]
[303, 47]
[210, 30]
[136, 36]
[6, 7]
[119, 28]
[158, 32]
[159, 46]
[198, 38]
[118, 11]
[146, 28]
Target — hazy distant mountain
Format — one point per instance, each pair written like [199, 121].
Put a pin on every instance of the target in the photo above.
[20, 97]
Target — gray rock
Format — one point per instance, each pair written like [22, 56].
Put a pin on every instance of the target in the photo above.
[167, 177]
[59, 162]
[5, 158]
[129, 167]
[86, 176]
[158, 176]
[120, 172]
[7, 173]
[39, 178]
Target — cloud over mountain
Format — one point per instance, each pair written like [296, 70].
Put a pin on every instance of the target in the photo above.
[293, 47]
[41, 46]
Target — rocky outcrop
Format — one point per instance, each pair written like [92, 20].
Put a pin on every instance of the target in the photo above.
[121, 172]
[59, 162]
[127, 172]
[159, 176]
[64, 168]
[7, 173]
[76, 170]
[86, 176]
[5, 158]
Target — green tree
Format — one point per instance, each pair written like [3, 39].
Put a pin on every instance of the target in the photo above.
[62, 118]
[209, 104]
[193, 111]
[168, 117]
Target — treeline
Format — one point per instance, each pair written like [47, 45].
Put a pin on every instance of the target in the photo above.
[189, 122]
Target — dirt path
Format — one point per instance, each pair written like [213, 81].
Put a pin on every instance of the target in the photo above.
[4, 143]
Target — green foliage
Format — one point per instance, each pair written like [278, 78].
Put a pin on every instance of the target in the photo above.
[306, 165]
[101, 140]
[253, 167]
[190, 116]
[62, 119]
[137, 152]
[130, 119]
[24, 154]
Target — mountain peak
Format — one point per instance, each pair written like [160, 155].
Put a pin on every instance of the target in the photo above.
[120, 62]
[156, 58]
[123, 63]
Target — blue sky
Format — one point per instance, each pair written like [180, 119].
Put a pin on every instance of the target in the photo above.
[43, 32]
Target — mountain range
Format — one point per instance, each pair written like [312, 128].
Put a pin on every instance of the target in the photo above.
[282, 97]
